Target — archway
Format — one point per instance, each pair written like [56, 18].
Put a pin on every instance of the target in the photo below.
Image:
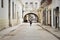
[31, 16]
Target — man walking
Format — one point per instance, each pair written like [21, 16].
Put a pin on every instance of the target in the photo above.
[30, 23]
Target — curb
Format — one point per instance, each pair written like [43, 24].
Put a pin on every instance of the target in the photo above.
[50, 32]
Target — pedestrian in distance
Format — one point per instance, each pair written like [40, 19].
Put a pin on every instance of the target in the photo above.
[30, 23]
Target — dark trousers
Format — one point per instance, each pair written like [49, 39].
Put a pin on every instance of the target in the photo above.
[30, 23]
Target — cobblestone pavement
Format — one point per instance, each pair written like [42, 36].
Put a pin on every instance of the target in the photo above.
[27, 32]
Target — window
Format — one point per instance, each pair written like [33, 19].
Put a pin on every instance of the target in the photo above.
[2, 3]
[9, 13]
[13, 10]
[26, 3]
[31, 2]
[36, 4]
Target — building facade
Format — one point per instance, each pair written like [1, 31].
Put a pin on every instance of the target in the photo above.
[10, 13]
[49, 13]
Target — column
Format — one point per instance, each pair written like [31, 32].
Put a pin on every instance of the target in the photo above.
[52, 19]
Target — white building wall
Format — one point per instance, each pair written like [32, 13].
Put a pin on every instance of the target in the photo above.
[59, 11]
[55, 3]
[4, 10]
[19, 10]
[4, 15]
[0, 3]
[31, 8]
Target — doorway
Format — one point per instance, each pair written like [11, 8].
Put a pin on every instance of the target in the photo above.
[44, 17]
[56, 17]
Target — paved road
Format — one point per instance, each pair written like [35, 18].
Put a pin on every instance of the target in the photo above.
[27, 32]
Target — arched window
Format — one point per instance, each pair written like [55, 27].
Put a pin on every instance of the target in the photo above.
[31, 2]
[36, 4]
[26, 3]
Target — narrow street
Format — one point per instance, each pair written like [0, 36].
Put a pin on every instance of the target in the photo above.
[27, 32]
[29, 19]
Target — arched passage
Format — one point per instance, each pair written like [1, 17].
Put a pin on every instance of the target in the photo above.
[31, 16]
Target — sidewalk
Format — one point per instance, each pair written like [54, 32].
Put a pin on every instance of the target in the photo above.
[8, 30]
[55, 32]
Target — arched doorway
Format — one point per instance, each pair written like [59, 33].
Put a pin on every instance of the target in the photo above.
[56, 17]
[31, 16]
